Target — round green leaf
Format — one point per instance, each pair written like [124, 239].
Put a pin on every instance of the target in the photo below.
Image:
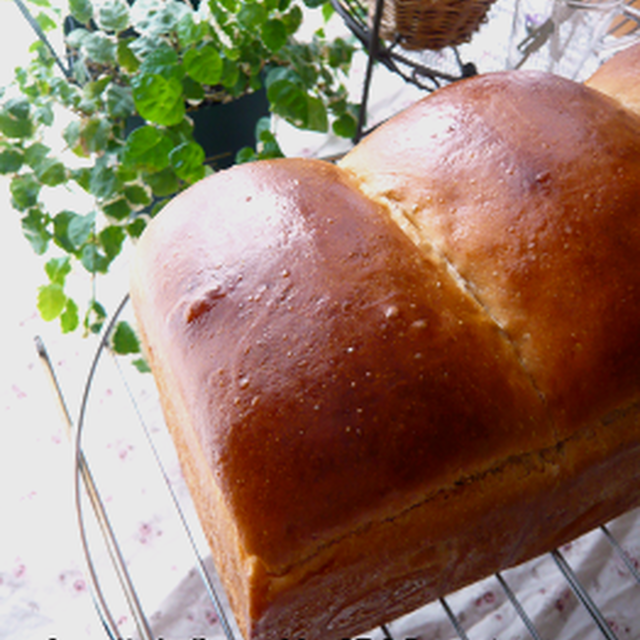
[11, 160]
[111, 239]
[124, 340]
[25, 190]
[193, 90]
[147, 148]
[43, 114]
[141, 365]
[137, 195]
[76, 37]
[317, 119]
[51, 172]
[246, 154]
[163, 183]
[230, 73]
[35, 154]
[119, 101]
[126, 58]
[34, 229]
[289, 100]
[71, 135]
[159, 100]
[69, 319]
[187, 160]
[104, 183]
[61, 230]
[94, 261]
[51, 301]
[136, 228]
[274, 34]
[154, 18]
[113, 15]
[251, 15]
[15, 119]
[58, 269]
[162, 61]
[100, 48]
[204, 64]
[345, 126]
[293, 19]
[118, 209]
[81, 10]
[80, 229]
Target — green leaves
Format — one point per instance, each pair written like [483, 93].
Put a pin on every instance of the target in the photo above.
[81, 10]
[100, 48]
[204, 64]
[140, 69]
[187, 160]
[157, 88]
[290, 99]
[11, 160]
[113, 15]
[252, 15]
[124, 339]
[147, 148]
[34, 229]
[165, 157]
[119, 101]
[15, 119]
[159, 99]
[274, 33]
[153, 19]
[52, 300]
[25, 190]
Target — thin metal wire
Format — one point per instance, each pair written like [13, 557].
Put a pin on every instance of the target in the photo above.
[204, 575]
[425, 77]
[142, 625]
[453, 619]
[33, 23]
[633, 569]
[99, 603]
[582, 595]
[519, 608]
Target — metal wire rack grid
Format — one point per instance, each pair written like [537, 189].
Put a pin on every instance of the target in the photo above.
[114, 576]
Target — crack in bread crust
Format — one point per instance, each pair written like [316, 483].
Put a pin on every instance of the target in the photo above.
[409, 224]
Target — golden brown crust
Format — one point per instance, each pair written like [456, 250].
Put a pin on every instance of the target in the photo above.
[317, 341]
[619, 78]
[528, 184]
[425, 355]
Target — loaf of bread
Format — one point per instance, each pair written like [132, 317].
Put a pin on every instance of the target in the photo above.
[389, 378]
[619, 77]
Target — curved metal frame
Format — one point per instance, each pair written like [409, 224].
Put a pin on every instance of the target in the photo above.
[425, 77]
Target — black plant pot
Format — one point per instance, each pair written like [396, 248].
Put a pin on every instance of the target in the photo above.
[223, 129]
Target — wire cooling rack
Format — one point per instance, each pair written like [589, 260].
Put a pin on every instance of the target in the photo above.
[513, 604]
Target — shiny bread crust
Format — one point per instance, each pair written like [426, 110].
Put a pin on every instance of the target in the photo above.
[392, 377]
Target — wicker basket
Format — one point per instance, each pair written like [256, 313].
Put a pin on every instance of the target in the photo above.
[431, 24]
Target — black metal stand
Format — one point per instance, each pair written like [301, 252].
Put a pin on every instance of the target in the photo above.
[354, 14]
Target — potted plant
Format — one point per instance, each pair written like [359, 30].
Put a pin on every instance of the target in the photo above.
[123, 101]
